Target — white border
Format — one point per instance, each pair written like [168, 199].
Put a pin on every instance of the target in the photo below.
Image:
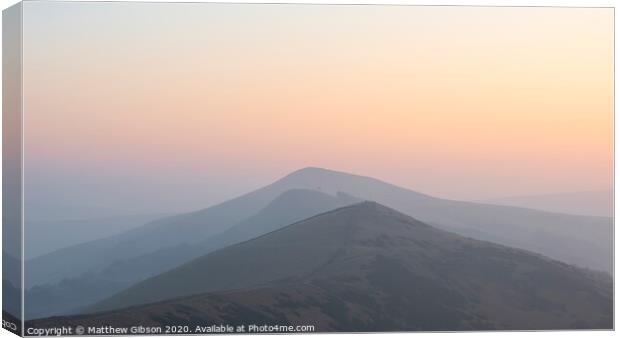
[516, 3]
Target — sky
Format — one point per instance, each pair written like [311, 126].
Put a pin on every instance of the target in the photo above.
[141, 107]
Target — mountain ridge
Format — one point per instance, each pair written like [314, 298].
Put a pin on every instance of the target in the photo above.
[579, 240]
[52, 267]
[365, 258]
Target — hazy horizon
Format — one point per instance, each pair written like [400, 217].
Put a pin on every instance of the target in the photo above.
[51, 210]
[180, 107]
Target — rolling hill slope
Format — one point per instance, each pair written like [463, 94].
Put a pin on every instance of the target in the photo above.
[69, 295]
[365, 268]
[98, 269]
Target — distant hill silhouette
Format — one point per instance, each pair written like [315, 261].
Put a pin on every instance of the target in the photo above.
[595, 203]
[46, 236]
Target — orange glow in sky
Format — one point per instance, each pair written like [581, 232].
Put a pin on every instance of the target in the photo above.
[461, 102]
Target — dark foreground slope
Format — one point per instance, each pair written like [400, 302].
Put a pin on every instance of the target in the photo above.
[365, 268]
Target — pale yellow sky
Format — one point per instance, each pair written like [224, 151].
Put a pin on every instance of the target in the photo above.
[462, 102]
